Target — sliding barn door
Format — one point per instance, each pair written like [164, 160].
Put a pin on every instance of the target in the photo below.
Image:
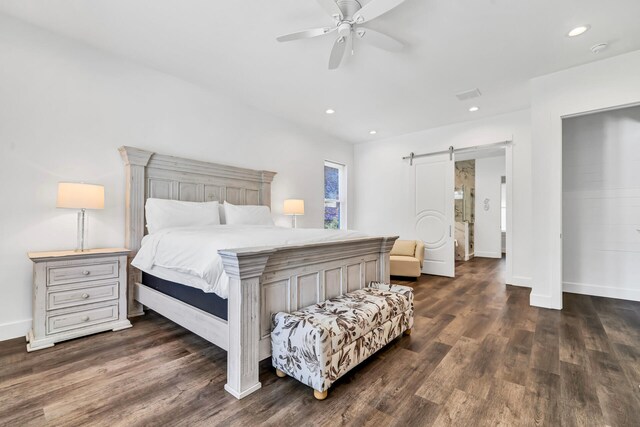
[434, 212]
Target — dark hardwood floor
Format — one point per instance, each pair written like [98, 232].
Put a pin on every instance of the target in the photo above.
[478, 355]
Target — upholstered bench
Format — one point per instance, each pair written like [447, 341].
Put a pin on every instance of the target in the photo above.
[320, 343]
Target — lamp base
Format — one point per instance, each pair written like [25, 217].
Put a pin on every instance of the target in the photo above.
[82, 231]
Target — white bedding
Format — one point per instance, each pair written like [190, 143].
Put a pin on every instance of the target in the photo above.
[194, 250]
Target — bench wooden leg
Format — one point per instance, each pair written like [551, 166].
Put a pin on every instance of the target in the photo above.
[407, 332]
[280, 374]
[320, 395]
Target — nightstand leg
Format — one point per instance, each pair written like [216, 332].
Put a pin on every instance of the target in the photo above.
[120, 326]
[31, 347]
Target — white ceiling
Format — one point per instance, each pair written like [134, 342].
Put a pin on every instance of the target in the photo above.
[453, 45]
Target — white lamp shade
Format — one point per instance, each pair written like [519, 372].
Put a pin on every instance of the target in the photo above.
[294, 207]
[74, 195]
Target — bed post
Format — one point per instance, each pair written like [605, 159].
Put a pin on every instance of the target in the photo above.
[385, 264]
[135, 162]
[244, 271]
[265, 188]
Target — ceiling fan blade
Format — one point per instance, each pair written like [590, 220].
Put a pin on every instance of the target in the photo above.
[373, 9]
[331, 7]
[337, 53]
[306, 34]
[378, 39]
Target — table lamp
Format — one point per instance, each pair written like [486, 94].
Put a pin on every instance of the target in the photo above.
[72, 195]
[294, 207]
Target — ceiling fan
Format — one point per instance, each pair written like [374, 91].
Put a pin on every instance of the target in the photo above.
[349, 16]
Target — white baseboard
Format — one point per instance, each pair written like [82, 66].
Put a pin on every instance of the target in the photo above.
[14, 329]
[601, 291]
[522, 281]
[488, 254]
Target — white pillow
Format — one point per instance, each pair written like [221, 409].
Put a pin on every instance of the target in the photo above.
[161, 214]
[247, 215]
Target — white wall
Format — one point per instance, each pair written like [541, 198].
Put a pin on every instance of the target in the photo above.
[598, 85]
[66, 108]
[601, 204]
[487, 231]
[383, 180]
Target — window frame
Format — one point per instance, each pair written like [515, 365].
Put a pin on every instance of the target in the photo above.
[342, 191]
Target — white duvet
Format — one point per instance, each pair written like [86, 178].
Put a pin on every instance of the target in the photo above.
[193, 251]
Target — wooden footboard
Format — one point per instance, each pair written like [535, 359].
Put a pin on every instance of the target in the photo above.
[264, 281]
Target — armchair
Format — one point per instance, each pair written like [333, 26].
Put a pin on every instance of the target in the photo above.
[407, 258]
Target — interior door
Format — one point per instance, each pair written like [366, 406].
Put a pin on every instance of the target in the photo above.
[434, 212]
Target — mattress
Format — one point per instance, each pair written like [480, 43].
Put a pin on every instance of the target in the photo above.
[209, 302]
[193, 251]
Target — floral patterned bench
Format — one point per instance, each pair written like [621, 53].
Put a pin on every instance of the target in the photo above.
[320, 343]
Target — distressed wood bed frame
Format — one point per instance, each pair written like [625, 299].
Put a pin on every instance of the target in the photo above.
[263, 280]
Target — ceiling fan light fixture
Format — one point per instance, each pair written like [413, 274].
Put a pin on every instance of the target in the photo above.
[474, 109]
[579, 30]
[348, 14]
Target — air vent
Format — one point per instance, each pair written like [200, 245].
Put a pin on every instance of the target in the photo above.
[468, 94]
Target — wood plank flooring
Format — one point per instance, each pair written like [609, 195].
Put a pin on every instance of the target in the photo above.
[479, 355]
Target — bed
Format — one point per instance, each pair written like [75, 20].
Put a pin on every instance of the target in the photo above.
[262, 280]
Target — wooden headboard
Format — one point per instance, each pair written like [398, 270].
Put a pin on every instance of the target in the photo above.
[166, 177]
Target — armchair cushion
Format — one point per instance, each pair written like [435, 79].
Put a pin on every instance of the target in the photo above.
[404, 248]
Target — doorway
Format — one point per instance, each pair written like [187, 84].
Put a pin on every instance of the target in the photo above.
[600, 209]
[481, 204]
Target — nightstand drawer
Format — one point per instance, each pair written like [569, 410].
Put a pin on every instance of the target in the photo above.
[58, 275]
[84, 293]
[80, 319]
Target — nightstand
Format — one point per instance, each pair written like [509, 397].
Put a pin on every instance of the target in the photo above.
[76, 294]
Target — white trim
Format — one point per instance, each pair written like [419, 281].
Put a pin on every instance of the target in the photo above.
[601, 291]
[521, 281]
[15, 329]
[601, 110]
[508, 153]
[488, 254]
[544, 301]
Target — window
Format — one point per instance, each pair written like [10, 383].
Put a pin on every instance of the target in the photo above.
[503, 205]
[335, 196]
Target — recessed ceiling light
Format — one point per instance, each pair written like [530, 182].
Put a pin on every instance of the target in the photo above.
[373, 132]
[330, 111]
[578, 30]
[474, 109]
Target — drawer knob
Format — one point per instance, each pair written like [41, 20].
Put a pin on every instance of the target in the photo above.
[85, 319]
[86, 272]
[85, 296]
